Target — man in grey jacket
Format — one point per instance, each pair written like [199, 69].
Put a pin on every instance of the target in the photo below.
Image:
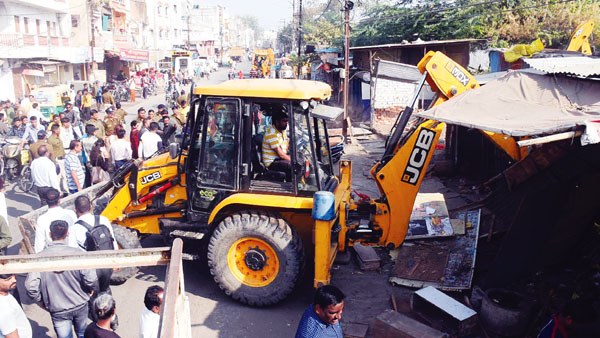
[65, 294]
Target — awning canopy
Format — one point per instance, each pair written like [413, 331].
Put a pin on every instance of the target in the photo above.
[523, 104]
[33, 72]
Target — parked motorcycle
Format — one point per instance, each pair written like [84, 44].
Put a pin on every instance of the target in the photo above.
[16, 162]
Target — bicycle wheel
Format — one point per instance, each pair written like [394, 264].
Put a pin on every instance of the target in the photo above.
[26, 181]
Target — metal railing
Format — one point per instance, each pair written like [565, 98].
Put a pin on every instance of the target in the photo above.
[175, 313]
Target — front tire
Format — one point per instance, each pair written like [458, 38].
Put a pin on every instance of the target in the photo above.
[256, 258]
[25, 180]
[127, 239]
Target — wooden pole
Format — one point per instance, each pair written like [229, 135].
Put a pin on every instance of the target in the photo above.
[346, 123]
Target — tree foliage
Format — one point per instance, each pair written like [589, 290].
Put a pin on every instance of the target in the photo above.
[502, 22]
[253, 23]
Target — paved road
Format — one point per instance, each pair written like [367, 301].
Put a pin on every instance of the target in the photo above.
[213, 313]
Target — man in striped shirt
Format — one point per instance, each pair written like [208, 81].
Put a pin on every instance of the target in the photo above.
[74, 167]
[275, 146]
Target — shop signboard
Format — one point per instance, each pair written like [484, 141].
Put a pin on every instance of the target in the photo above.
[135, 55]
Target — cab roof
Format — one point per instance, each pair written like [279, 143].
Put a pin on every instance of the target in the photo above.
[269, 88]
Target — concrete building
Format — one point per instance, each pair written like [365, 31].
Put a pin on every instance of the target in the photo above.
[34, 45]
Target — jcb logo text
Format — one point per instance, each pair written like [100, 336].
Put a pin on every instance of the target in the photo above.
[151, 177]
[418, 156]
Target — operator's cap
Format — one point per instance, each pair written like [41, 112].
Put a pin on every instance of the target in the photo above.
[109, 110]
[41, 134]
[52, 195]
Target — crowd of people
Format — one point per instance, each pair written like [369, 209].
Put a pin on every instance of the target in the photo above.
[85, 147]
[72, 150]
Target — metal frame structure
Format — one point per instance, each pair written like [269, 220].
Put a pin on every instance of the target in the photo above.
[175, 314]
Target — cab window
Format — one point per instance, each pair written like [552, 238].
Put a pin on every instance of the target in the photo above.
[219, 162]
[304, 166]
[323, 155]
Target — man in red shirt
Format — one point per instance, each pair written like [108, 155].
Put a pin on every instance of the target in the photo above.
[134, 137]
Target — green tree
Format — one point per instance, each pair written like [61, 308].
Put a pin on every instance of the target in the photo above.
[503, 22]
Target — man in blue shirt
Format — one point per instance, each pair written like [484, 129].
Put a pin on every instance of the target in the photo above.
[322, 318]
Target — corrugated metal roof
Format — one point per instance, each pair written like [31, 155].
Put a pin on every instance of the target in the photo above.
[576, 65]
[421, 44]
[400, 71]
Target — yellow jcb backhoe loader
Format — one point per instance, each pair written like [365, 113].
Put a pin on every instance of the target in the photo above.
[255, 223]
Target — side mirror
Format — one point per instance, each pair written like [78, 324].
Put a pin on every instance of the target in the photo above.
[174, 150]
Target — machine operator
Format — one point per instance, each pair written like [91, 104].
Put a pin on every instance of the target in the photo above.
[275, 146]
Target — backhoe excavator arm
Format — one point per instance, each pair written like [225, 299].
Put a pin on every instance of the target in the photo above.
[402, 167]
[580, 40]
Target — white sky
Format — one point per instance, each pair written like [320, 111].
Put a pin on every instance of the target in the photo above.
[270, 13]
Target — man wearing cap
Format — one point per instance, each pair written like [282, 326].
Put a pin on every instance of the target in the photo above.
[275, 146]
[14, 323]
[97, 123]
[65, 294]
[110, 121]
[120, 113]
[33, 149]
[108, 99]
[43, 173]
[55, 212]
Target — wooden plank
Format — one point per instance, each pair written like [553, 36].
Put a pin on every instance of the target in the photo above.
[175, 315]
[368, 259]
[84, 260]
[446, 263]
[392, 324]
[435, 305]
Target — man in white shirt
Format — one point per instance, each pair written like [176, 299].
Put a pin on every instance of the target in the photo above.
[150, 142]
[55, 212]
[34, 111]
[150, 317]
[43, 173]
[14, 323]
[83, 209]
[68, 133]
[120, 150]
[31, 131]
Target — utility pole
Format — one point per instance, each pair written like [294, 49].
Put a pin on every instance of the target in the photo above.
[299, 36]
[92, 76]
[348, 5]
[293, 36]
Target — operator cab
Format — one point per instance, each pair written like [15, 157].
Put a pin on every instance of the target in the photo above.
[226, 146]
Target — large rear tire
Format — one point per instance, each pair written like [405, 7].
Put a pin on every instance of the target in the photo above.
[256, 258]
[127, 239]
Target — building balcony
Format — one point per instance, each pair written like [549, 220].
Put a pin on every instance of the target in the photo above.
[19, 45]
[60, 6]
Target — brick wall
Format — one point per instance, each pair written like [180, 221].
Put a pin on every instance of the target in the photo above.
[390, 93]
